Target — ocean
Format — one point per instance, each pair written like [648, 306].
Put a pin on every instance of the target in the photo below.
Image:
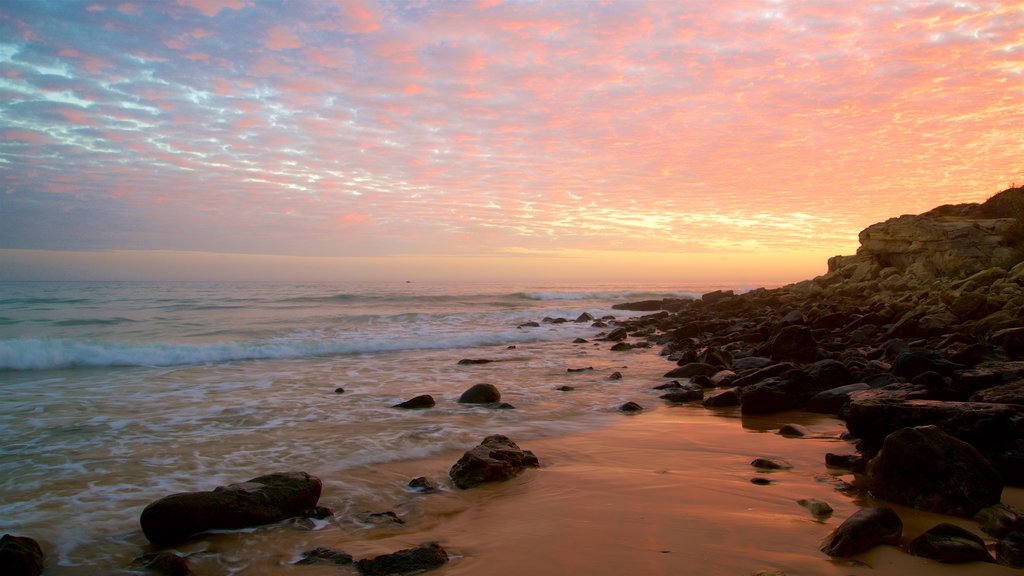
[113, 395]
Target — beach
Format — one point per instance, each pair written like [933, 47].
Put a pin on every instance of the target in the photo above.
[129, 393]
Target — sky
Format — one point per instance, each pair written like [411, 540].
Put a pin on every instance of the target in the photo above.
[732, 142]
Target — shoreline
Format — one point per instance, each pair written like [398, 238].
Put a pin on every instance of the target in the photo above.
[666, 491]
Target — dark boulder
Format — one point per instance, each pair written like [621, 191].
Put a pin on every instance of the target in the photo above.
[750, 363]
[495, 459]
[426, 557]
[834, 400]
[20, 556]
[915, 362]
[867, 528]
[631, 408]
[422, 484]
[1011, 550]
[1011, 340]
[760, 374]
[1011, 393]
[692, 369]
[999, 520]
[794, 343]
[826, 374]
[684, 394]
[950, 544]
[723, 399]
[417, 403]
[777, 394]
[871, 417]
[480, 394]
[473, 361]
[325, 556]
[925, 468]
[259, 501]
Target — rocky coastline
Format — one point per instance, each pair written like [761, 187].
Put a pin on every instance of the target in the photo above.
[916, 342]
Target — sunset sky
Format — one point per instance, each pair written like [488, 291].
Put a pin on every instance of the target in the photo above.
[735, 141]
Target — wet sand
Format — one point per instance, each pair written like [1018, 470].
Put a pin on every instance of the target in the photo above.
[667, 491]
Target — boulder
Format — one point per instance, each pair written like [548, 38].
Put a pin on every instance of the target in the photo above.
[20, 556]
[777, 394]
[417, 403]
[723, 399]
[871, 417]
[794, 343]
[259, 501]
[692, 369]
[325, 556]
[834, 400]
[915, 362]
[950, 544]
[925, 468]
[495, 459]
[426, 557]
[480, 394]
[631, 408]
[1011, 393]
[1011, 550]
[865, 529]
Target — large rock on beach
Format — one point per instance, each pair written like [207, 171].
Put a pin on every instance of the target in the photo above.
[950, 544]
[263, 500]
[480, 394]
[871, 417]
[925, 468]
[20, 556]
[495, 459]
[865, 529]
[794, 344]
[426, 557]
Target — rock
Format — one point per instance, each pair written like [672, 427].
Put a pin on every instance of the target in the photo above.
[762, 374]
[573, 370]
[817, 508]
[417, 403]
[915, 362]
[422, 484]
[865, 529]
[925, 468]
[259, 501]
[480, 394]
[827, 374]
[621, 347]
[426, 557]
[794, 344]
[852, 462]
[684, 395]
[1011, 340]
[871, 418]
[751, 363]
[617, 335]
[776, 394]
[495, 459]
[631, 408]
[1010, 550]
[834, 400]
[580, 341]
[723, 399]
[999, 520]
[20, 556]
[615, 376]
[793, 431]
[950, 544]
[325, 556]
[771, 464]
[472, 361]
[565, 388]
[166, 563]
[339, 390]
[379, 518]
[584, 317]
[692, 369]
[529, 325]
[1011, 393]
[760, 481]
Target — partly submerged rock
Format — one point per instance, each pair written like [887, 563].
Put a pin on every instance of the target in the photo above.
[426, 557]
[325, 556]
[417, 403]
[480, 394]
[495, 459]
[865, 529]
[262, 500]
[20, 556]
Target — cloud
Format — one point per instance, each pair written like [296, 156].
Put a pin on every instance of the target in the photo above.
[454, 128]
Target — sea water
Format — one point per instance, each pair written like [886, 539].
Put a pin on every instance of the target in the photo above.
[113, 395]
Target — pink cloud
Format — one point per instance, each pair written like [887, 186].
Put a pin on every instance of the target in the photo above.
[212, 8]
[361, 16]
[281, 38]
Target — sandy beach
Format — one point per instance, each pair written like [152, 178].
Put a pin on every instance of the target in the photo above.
[667, 491]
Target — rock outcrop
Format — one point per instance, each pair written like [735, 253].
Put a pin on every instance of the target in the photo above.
[259, 501]
[495, 459]
[20, 556]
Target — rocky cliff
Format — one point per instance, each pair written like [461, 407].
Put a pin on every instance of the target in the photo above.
[947, 242]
